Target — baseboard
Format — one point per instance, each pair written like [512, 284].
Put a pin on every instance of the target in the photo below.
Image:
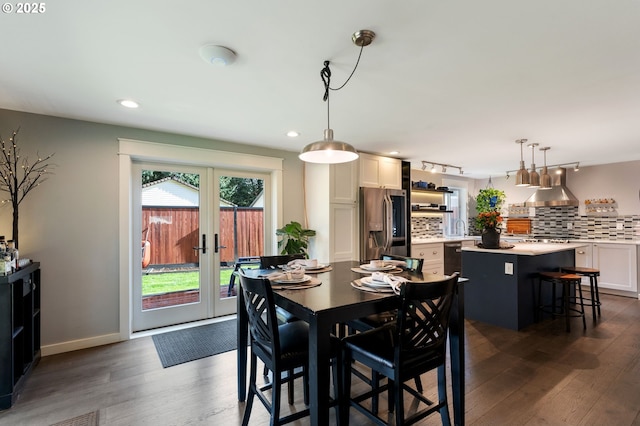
[75, 345]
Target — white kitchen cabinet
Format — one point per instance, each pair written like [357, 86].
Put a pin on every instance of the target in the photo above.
[380, 172]
[433, 255]
[332, 210]
[618, 266]
[617, 263]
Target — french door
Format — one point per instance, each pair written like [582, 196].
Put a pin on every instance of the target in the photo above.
[190, 237]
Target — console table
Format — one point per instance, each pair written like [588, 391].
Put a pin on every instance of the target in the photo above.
[19, 329]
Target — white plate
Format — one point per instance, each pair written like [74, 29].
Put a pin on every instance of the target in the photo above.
[313, 268]
[293, 281]
[368, 267]
[369, 282]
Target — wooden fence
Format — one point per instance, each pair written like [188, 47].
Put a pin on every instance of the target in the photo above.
[173, 232]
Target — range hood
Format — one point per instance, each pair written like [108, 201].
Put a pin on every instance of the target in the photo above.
[558, 195]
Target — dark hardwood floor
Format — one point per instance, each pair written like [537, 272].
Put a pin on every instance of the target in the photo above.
[539, 376]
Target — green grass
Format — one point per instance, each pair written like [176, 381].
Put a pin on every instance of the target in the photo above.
[176, 281]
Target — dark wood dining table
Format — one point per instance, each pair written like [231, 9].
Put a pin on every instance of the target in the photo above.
[336, 301]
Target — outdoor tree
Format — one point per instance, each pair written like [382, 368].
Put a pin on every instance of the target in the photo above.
[18, 176]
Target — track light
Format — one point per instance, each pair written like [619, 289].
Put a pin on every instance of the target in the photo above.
[424, 166]
[444, 169]
[577, 167]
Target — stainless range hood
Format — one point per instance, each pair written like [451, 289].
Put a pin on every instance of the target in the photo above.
[558, 195]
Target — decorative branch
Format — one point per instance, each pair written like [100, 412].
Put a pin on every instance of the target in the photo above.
[18, 177]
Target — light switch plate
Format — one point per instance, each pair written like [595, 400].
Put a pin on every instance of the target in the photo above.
[508, 268]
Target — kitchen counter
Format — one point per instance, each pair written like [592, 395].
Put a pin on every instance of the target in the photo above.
[528, 249]
[442, 239]
[504, 282]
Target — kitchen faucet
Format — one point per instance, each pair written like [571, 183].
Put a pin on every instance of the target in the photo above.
[464, 226]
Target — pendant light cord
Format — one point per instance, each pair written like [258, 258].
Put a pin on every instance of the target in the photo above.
[325, 75]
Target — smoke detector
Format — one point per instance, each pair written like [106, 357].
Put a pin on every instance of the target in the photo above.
[217, 55]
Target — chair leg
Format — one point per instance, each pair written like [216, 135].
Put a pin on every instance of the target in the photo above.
[398, 401]
[595, 284]
[584, 320]
[290, 386]
[418, 382]
[593, 298]
[375, 384]
[565, 304]
[276, 392]
[252, 391]
[345, 399]
[442, 395]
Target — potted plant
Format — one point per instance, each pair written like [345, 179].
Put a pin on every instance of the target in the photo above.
[489, 223]
[295, 239]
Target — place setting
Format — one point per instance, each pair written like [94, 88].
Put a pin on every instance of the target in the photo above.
[311, 266]
[378, 266]
[291, 278]
[379, 282]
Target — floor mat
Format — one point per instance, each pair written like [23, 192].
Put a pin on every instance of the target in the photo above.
[178, 347]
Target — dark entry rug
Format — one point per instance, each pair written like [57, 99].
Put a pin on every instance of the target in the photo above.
[178, 347]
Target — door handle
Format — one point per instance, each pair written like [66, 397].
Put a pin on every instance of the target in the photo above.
[216, 244]
[204, 244]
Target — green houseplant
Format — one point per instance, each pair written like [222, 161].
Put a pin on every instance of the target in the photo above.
[295, 239]
[488, 204]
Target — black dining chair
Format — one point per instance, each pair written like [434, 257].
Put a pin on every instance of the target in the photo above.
[281, 347]
[401, 350]
[412, 265]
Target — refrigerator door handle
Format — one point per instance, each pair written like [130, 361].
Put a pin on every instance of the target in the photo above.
[388, 223]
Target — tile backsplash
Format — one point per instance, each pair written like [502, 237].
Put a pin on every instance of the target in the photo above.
[553, 222]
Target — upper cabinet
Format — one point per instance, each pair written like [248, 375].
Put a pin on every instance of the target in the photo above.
[380, 172]
[343, 178]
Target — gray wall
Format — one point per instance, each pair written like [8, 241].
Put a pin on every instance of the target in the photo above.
[70, 222]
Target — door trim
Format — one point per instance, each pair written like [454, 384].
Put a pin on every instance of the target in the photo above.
[132, 150]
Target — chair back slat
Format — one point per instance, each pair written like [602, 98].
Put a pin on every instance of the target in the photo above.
[413, 264]
[272, 262]
[423, 316]
[261, 313]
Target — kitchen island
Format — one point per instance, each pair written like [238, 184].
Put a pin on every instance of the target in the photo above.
[505, 283]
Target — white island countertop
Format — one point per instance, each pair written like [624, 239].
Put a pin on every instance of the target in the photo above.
[528, 249]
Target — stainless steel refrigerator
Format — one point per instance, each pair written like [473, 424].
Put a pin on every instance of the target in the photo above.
[383, 222]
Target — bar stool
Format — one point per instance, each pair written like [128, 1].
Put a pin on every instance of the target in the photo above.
[593, 275]
[566, 280]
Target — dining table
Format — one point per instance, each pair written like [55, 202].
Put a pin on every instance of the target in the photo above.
[337, 301]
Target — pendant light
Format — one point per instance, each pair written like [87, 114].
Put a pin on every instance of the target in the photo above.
[545, 178]
[534, 177]
[522, 177]
[328, 150]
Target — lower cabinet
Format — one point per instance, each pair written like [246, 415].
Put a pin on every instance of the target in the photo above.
[433, 255]
[618, 265]
[19, 329]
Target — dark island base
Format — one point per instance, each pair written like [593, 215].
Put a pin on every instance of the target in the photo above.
[508, 301]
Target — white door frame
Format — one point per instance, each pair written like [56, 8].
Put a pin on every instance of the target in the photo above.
[132, 150]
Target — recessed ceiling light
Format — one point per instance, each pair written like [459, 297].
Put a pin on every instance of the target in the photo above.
[394, 152]
[293, 134]
[128, 103]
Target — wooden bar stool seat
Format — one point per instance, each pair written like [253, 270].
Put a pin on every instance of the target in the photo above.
[593, 275]
[566, 281]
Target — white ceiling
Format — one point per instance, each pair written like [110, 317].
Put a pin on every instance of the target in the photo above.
[448, 81]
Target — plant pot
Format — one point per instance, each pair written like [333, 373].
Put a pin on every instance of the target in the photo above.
[491, 238]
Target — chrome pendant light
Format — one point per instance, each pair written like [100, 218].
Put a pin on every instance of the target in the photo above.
[328, 150]
[534, 177]
[522, 177]
[545, 178]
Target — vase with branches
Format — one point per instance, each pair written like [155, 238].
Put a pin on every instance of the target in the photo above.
[19, 176]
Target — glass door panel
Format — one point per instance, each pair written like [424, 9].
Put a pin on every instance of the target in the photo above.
[170, 285]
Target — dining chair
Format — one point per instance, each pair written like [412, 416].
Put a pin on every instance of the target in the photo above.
[281, 347]
[403, 349]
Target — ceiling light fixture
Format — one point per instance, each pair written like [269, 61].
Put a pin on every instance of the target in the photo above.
[444, 166]
[293, 134]
[545, 178]
[522, 178]
[128, 103]
[534, 177]
[217, 55]
[577, 167]
[328, 150]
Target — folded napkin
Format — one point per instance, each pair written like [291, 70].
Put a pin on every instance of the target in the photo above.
[394, 281]
[292, 274]
[297, 262]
